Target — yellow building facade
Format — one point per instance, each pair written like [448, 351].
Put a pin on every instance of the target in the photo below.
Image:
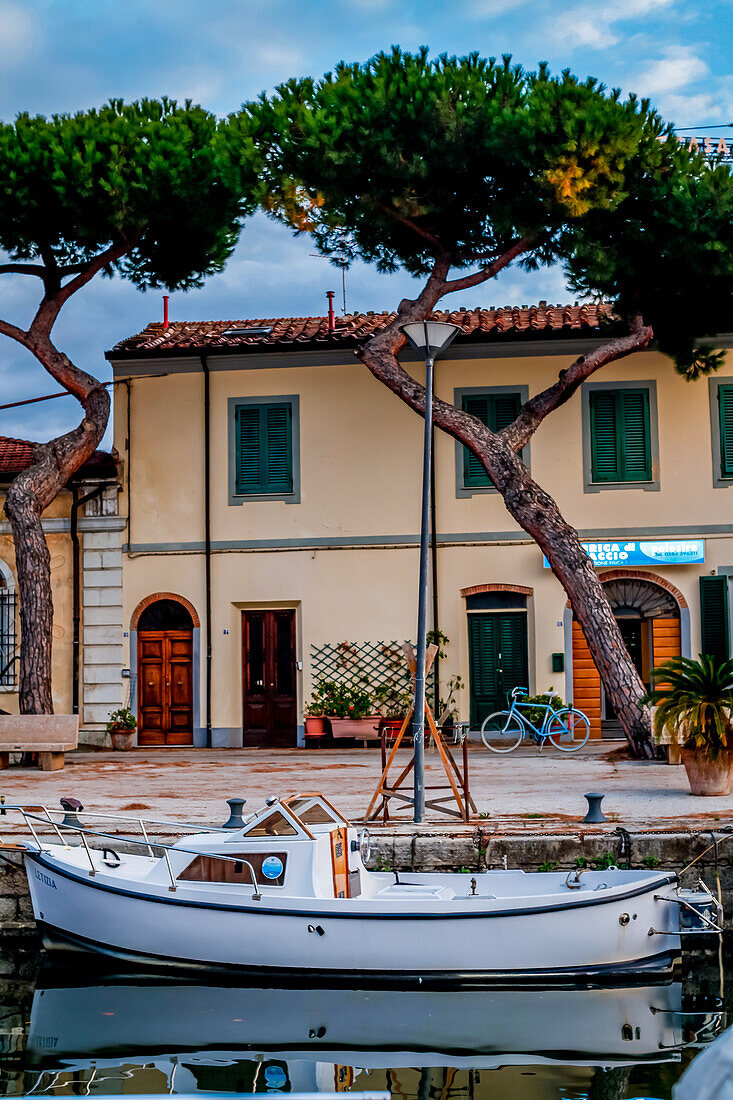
[245, 571]
[81, 526]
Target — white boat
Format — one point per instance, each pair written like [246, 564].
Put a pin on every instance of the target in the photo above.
[290, 893]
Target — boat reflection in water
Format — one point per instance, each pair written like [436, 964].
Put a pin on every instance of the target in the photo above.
[165, 1035]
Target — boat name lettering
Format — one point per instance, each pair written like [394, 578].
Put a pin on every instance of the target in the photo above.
[47, 879]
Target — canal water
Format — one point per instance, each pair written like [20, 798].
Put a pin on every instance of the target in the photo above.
[83, 1029]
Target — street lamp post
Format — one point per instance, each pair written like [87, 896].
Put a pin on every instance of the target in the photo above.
[430, 338]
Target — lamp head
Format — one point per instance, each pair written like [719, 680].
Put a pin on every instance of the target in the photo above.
[430, 338]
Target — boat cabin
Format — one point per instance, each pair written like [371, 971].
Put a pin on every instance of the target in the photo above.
[300, 841]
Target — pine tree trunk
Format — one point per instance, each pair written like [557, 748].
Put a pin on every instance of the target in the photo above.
[33, 565]
[538, 514]
[29, 494]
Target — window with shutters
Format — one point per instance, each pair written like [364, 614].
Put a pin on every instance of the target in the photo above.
[725, 430]
[714, 621]
[496, 407]
[263, 448]
[620, 436]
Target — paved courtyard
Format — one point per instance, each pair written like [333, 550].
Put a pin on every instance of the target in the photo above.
[523, 791]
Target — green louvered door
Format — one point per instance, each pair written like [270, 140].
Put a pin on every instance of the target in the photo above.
[264, 461]
[498, 660]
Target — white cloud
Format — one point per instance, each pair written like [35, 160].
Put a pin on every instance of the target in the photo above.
[484, 9]
[676, 69]
[589, 24]
[17, 32]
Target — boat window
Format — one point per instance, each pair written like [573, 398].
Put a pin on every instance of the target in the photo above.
[269, 868]
[275, 824]
[315, 815]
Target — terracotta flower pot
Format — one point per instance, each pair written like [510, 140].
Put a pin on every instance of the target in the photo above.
[122, 739]
[363, 729]
[708, 777]
[314, 726]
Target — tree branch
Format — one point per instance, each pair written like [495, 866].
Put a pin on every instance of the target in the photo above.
[410, 224]
[534, 411]
[491, 270]
[23, 269]
[15, 333]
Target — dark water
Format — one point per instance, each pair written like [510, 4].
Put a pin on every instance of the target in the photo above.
[85, 1031]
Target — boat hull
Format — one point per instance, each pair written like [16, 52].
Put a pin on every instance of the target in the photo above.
[586, 939]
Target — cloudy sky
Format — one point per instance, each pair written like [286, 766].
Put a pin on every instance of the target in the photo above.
[67, 55]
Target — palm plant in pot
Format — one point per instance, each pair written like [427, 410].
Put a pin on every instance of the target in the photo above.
[694, 709]
[121, 727]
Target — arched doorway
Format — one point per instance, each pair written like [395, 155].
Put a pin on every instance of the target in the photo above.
[165, 673]
[647, 611]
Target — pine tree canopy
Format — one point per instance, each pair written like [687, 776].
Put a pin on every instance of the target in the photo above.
[404, 159]
[410, 156]
[153, 174]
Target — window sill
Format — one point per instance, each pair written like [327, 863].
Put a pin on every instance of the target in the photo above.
[246, 498]
[602, 486]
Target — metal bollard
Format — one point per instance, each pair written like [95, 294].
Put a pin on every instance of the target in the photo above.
[235, 813]
[72, 806]
[595, 815]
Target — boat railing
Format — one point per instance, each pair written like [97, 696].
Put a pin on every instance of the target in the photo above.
[83, 831]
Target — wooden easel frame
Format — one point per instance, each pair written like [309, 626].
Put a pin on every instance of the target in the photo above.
[458, 782]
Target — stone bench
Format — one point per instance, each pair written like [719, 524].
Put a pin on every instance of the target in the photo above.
[50, 735]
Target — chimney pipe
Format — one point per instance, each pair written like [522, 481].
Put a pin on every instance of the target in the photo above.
[165, 310]
[331, 317]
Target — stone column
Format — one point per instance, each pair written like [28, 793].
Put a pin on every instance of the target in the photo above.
[101, 688]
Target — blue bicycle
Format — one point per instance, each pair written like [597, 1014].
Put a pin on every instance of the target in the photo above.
[567, 729]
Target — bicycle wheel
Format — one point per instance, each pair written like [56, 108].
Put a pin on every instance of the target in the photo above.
[502, 726]
[569, 721]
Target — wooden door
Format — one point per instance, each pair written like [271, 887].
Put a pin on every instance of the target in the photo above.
[498, 660]
[268, 678]
[165, 687]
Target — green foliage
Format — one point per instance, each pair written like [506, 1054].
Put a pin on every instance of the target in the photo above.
[536, 714]
[391, 698]
[664, 252]
[550, 865]
[694, 702]
[336, 700]
[155, 174]
[650, 861]
[580, 862]
[121, 719]
[604, 862]
[404, 158]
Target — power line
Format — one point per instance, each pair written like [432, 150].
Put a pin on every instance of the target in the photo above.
[46, 397]
[717, 126]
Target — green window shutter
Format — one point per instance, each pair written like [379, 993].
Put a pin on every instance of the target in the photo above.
[279, 459]
[497, 411]
[725, 409]
[604, 435]
[264, 460]
[620, 435]
[714, 616]
[248, 449]
[636, 458]
[513, 649]
[474, 475]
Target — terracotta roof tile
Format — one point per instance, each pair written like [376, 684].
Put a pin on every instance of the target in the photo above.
[17, 455]
[283, 332]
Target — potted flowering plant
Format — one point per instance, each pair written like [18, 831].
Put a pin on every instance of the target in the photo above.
[392, 701]
[121, 728]
[693, 701]
[314, 710]
[347, 707]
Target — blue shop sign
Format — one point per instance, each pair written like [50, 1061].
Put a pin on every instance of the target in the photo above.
[669, 552]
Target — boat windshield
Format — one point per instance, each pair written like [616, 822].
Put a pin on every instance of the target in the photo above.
[275, 824]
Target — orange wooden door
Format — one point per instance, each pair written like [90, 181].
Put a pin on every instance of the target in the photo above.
[165, 687]
[586, 681]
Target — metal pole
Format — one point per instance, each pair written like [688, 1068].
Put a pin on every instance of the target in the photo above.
[418, 722]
